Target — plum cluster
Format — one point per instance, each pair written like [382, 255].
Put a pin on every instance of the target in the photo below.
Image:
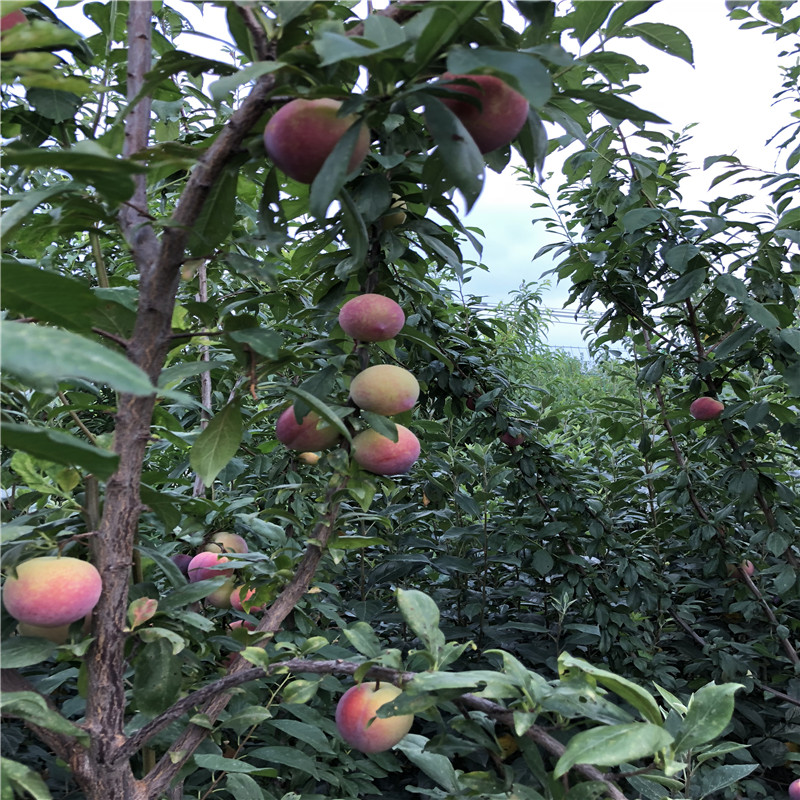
[384, 389]
[208, 563]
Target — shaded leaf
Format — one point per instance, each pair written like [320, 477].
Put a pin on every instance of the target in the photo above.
[217, 444]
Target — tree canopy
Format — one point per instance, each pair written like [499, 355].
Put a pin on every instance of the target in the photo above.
[585, 583]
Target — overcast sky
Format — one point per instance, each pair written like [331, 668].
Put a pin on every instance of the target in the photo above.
[728, 93]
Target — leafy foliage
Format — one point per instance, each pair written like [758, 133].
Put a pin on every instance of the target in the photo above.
[553, 604]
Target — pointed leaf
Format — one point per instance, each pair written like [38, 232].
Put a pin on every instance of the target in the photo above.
[44, 356]
[709, 712]
[217, 444]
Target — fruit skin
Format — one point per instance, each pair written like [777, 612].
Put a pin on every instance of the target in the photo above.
[58, 635]
[308, 458]
[200, 567]
[746, 566]
[704, 408]
[794, 790]
[302, 134]
[221, 597]
[224, 542]
[371, 318]
[181, 561]
[379, 454]
[50, 591]
[396, 215]
[313, 433]
[500, 116]
[358, 705]
[512, 441]
[385, 389]
[9, 21]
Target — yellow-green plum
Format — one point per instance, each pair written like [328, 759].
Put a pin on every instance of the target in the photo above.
[357, 723]
[224, 542]
[396, 215]
[377, 453]
[371, 318]
[308, 458]
[221, 597]
[204, 566]
[499, 115]
[385, 389]
[311, 433]
[704, 408]
[59, 634]
[50, 591]
[243, 603]
[302, 134]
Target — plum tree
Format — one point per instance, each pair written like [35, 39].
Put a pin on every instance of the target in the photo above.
[385, 389]
[51, 591]
[497, 116]
[358, 724]
[371, 317]
[311, 433]
[302, 134]
[377, 453]
[704, 408]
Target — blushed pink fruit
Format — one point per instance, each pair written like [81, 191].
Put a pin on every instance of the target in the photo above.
[224, 542]
[242, 623]
[498, 117]
[313, 433]
[794, 790]
[371, 318]
[357, 723]
[11, 20]
[379, 454]
[201, 567]
[302, 134]
[52, 591]
[747, 567]
[706, 408]
[385, 389]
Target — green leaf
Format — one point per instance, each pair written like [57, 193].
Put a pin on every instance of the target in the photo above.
[638, 697]
[288, 757]
[611, 745]
[157, 677]
[25, 204]
[626, 11]
[25, 651]
[383, 425]
[44, 356]
[436, 766]
[217, 444]
[761, 314]
[221, 88]
[640, 218]
[422, 616]
[709, 712]
[28, 781]
[33, 708]
[712, 783]
[364, 639]
[588, 17]
[47, 296]
[684, 287]
[216, 218]
[59, 447]
[54, 103]
[356, 542]
[216, 763]
[333, 175]
[244, 787]
[264, 342]
[614, 106]
[460, 157]
[732, 286]
[666, 38]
